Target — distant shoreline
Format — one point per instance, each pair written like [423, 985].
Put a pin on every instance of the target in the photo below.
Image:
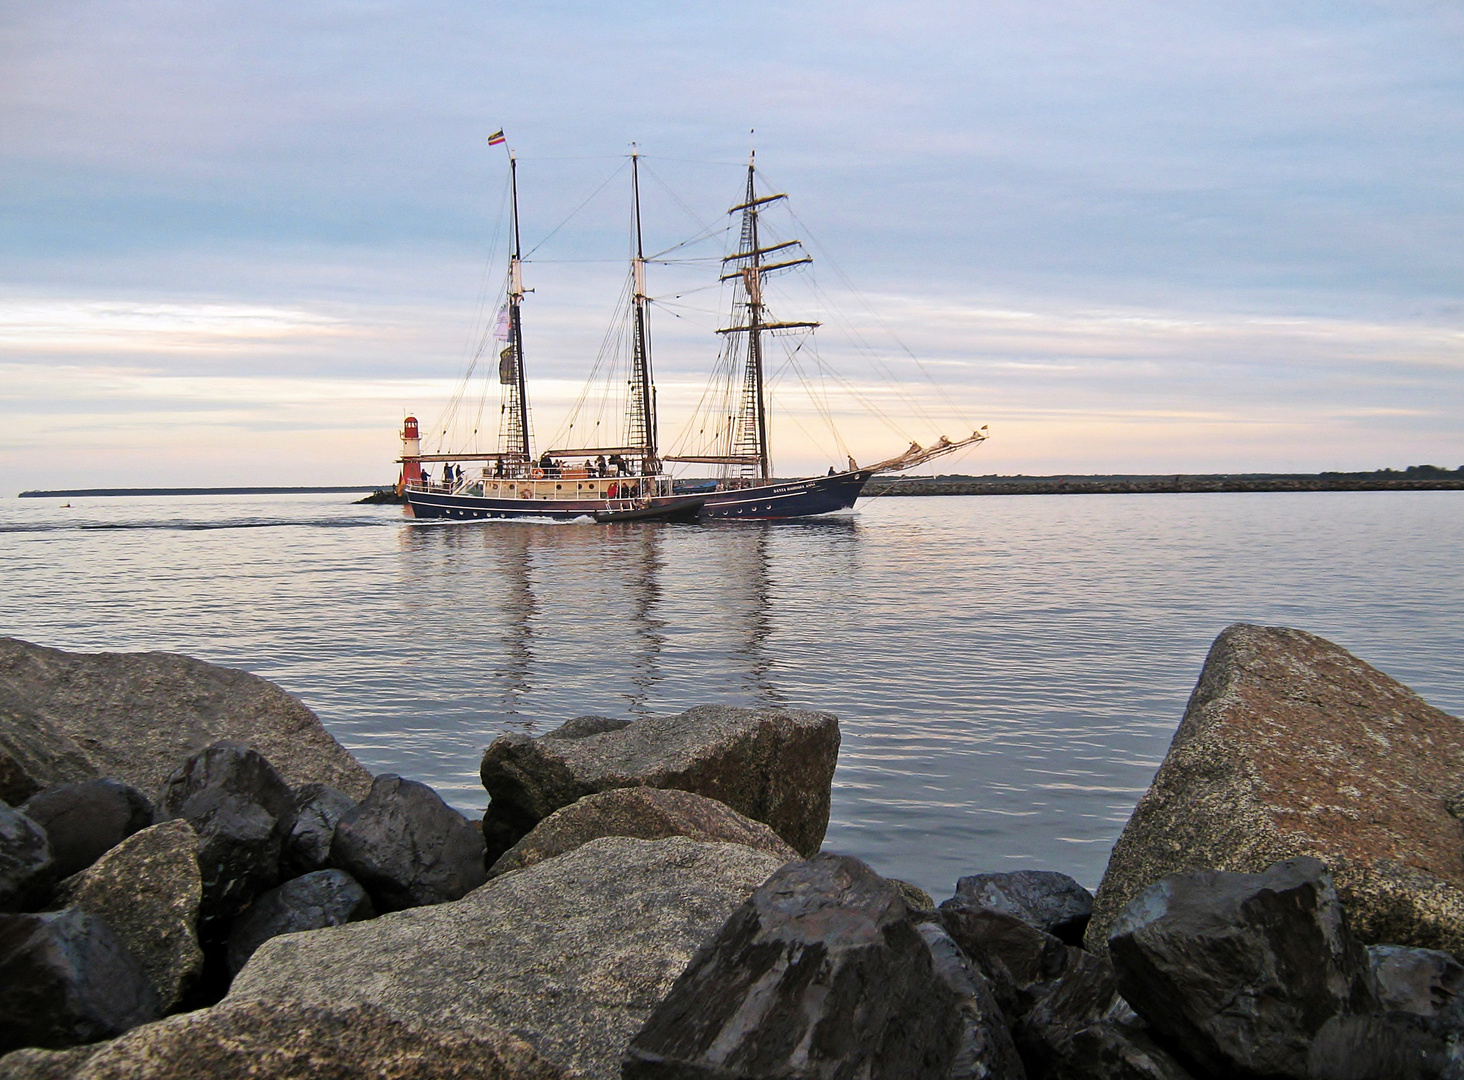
[95, 492]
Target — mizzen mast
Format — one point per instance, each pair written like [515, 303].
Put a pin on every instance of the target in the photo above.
[748, 435]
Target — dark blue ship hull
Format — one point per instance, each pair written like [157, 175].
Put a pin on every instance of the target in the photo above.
[434, 504]
[787, 499]
[784, 499]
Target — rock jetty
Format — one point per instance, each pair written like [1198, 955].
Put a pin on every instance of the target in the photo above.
[650, 903]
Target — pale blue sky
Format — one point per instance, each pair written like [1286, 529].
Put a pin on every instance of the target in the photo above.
[240, 239]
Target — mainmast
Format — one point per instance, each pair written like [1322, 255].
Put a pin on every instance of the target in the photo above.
[641, 418]
[516, 430]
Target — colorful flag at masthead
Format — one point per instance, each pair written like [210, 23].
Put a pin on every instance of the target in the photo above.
[497, 138]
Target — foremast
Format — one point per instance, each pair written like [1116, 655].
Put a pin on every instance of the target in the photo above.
[514, 429]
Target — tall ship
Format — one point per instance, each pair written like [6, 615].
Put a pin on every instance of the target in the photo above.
[629, 480]
[613, 483]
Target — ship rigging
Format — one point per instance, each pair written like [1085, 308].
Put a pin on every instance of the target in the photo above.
[629, 479]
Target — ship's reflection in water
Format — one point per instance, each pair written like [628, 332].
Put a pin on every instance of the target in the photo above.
[555, 621]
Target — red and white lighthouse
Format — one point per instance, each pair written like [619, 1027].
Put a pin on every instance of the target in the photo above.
[411, 455]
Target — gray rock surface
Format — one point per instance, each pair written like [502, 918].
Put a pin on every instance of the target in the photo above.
[310, 902]
[1425, 982]
[1240, 971]
[645, 813]
[569, 955]
[985, 1050]
[27, 868]
[774, 766]
[1292, 746]
[408, 847]
[66, 979]
[1048, 900]
[318, 808]
[820, 974]
[147, 889]
[135, 716]
[257, 1040]
[87, 819]
[240, 808]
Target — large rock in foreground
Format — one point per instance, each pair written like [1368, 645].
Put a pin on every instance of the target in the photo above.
[774, 766]
[820, 974]
[1241, 971]
[1291, 746]
[645, 813]
[66, 717]
[252, 1040]
[570, 955]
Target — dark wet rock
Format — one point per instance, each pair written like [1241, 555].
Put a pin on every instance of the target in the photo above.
[1082, 1030]
[985, 1050]
[66, 717]
[253, 1040]
[1389, 1046]
[240, 808]
[774, 766]
[1425, 982]
[27, 868]
[1238, 972]
[1021, 961]
[821, 974]
[1292, 746]
[318, 808]
[408, 847]
[147, 889]
[310, 902]
[33, 1063]
[66, 979]
[1048, 900]
[645, 813]
[87, 819]
[570, 954]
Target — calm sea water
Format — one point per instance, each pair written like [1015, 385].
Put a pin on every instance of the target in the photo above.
[1007, 671]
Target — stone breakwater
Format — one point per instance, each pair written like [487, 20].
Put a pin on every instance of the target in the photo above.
[196, 880]
[1414, 479]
